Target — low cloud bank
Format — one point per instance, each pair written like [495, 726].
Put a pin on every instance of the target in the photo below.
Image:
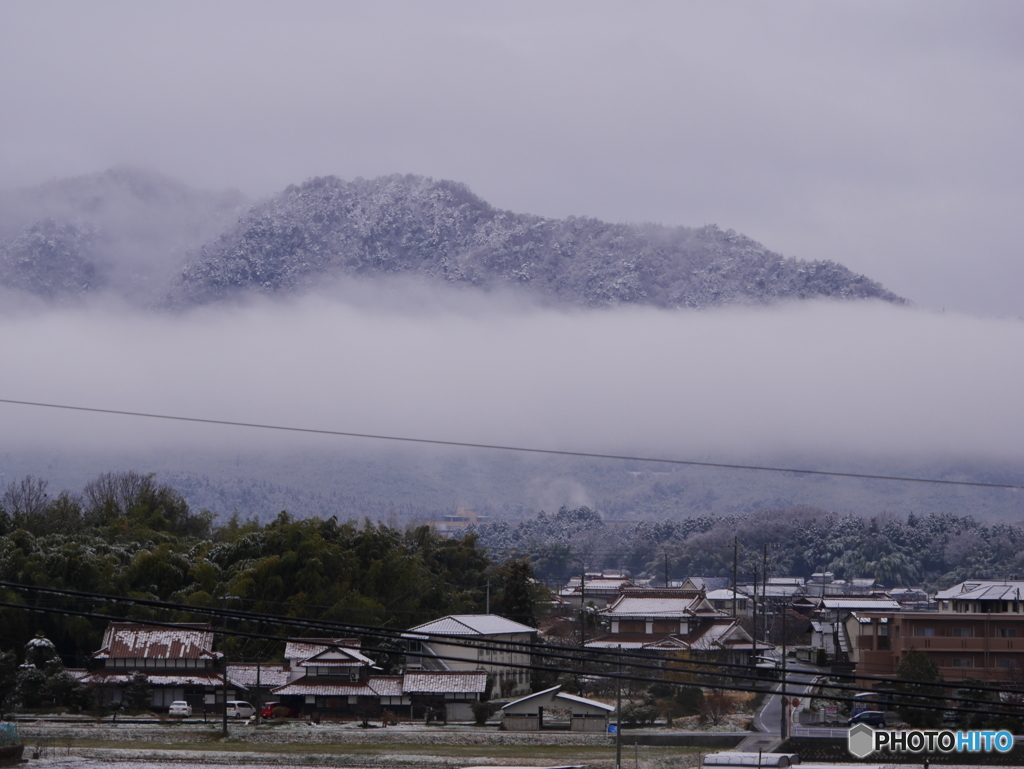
[799, 379]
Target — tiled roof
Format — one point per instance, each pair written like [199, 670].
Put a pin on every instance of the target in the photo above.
[642, 607]
[271, 675]
[310, 647]
[386, 686]
[721, 635]
[471, 624]
[159, 679]
[638, 641]
[128, 640]
[319, 688]
[474, 682]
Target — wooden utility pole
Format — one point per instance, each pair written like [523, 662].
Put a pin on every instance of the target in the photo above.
[735, 568]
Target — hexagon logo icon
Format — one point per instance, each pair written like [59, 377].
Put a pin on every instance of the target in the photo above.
[861, 740]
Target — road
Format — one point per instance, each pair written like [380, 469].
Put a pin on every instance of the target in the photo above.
[768, 719]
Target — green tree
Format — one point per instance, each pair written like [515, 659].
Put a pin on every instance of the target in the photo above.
[517, 600]
[918, 679]
[138, 694]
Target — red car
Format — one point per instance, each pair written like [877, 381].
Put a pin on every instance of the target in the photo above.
[267, 711]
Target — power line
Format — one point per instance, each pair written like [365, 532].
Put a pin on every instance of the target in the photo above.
[638, 661]
[521, 449]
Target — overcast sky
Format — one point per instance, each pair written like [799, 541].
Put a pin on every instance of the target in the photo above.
[882, 135]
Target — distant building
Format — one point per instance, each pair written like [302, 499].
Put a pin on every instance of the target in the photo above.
[597, 588]
[660, 620]
[455, 522]
[976, 633]
[474, 642]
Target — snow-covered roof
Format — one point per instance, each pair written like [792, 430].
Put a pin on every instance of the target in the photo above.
[270, 674]
[317, 687]
[337, 657]
[445, 682]
[978, 590]
[862, 603]
[632, 606]
[726, 594]
[595, 585]
[303, 649]
[720, 635]
[470, 624]
[554, 693]
[129, 640]
[103, 677]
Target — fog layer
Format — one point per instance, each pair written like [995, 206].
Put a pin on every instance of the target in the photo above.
[714, 386]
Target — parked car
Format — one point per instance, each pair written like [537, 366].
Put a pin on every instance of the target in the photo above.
[874, 718]
[180, 708]
[267, 711]
[239, 709]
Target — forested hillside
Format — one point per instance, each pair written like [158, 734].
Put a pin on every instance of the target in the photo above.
[932, 550]
[127, 534]
[124, 231]
[417, 226]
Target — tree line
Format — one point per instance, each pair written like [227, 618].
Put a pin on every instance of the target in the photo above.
[127, 534]
[931, 551]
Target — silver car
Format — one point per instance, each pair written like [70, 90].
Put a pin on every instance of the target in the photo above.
[180, 709]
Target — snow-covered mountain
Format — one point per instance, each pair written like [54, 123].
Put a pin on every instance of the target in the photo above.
[156, 241]
[440, 230]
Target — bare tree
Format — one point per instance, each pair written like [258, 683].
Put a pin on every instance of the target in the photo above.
[25, 499]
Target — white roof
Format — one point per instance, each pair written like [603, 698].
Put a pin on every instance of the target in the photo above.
[862, 604]
[725, 594]
[444, 682]
[303, 649]
[637, 606]
[470, 624]
[977, 590]
[270, 674]
[561, 696]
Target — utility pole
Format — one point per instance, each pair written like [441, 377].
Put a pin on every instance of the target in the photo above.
[583, 598]
[618, 714]
[784, 730]
[224, 703]
[735, 565]
[754, 634]
[764, 593]
[259, 695]
[666, 570]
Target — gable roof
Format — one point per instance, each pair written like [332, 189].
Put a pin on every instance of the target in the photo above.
[132, 640]
[660, 603]
[470, 625]
[555, 693]
[304, 648]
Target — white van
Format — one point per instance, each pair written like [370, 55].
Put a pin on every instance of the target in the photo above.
[239, 709]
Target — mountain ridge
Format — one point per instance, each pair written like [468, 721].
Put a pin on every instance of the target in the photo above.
[157, 242]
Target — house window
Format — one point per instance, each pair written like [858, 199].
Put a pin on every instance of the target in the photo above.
[962, 662]
[1007, 662]
[1007, 632]
[961, 632]
[924, 632]
[883, 630]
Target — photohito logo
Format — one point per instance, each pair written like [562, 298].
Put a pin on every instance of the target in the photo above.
[862, 741]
